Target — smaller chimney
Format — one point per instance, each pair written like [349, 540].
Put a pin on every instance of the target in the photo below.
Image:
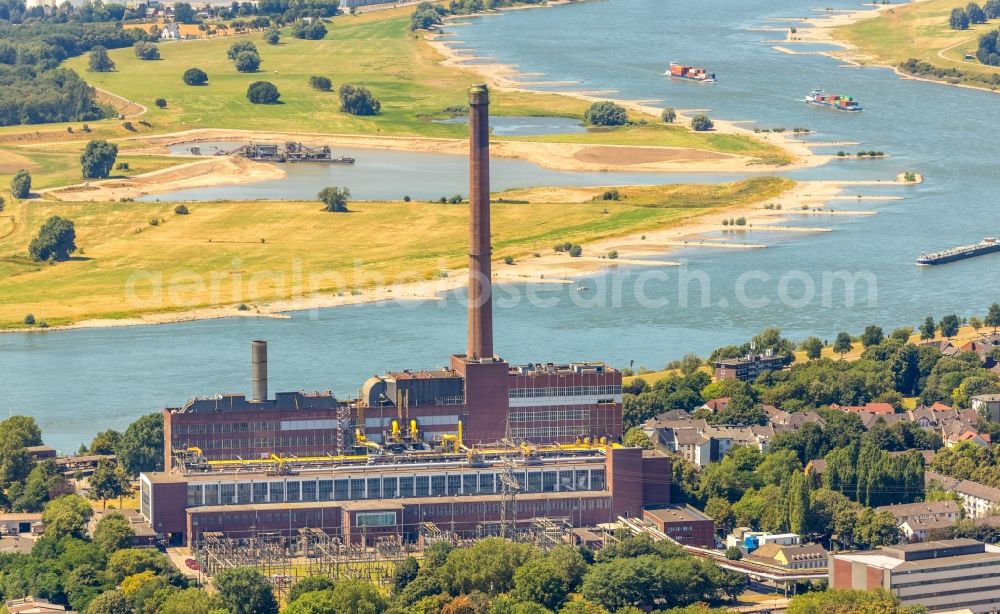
[258, 373]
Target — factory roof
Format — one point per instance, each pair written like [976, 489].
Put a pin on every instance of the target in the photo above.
[676, 513]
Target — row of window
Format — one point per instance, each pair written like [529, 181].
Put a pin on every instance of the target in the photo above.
[545, 433]
[225, 427]
[346, 489]
[449, 420]
[550, 415]
[322, 438]
[564, 391]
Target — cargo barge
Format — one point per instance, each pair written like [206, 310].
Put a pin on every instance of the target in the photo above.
[986, 246]
[691, 73]
[833, 101]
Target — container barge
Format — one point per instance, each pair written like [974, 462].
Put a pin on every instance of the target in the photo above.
[833, 101]
[691, 73]
[986, 246]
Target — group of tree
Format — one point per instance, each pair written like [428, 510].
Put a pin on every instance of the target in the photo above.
[244, 56]
[427, 15]
[988, 51]
[146, 51]
[322, 84]
[335, 199]
[606, 113]
[358, 100]
[961, 18]
[313, 30]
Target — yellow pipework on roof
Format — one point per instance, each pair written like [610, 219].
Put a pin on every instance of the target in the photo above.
[195, 450]
[413, 429]
[395, 430]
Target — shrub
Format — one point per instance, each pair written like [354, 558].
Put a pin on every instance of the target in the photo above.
[247, 61]
[43, 324]
[29, 320]
[20, 184]
[741, 221]
[613, 255]
[508, 260]
[242, 307]
[272, 36]
[121, 166]
[669, 115]
[606, 113]
[161, 103]
[575, 251]
[263, 92]
[239, 47]
[456, 199]
[358, 100]
[322, 84]
[406, 198]
[146, 51]
[611, 194]
[909, 176]
[181, 210]
[701, 123]
[195, 76]
[154, 221]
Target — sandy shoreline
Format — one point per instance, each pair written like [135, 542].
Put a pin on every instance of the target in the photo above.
[805, 198]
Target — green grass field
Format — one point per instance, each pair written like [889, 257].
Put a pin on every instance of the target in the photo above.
[225, 253]
[919, 31]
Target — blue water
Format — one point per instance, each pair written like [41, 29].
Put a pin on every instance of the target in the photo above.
[78, 382]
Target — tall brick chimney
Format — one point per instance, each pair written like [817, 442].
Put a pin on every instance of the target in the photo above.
[480, 340]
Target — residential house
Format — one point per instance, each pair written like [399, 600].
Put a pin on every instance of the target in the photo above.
[978, 499]
[881, 409]
[945, 347]
[170, 32]
[747, 368]
[33, 605]
[917, 520]
[987, 406]
[799, 556]
[983, 347]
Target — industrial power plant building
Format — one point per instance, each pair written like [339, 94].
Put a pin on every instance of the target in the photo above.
[442, 446]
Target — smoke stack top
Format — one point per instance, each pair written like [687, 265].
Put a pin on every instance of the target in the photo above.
[258, 370]
[480, 338]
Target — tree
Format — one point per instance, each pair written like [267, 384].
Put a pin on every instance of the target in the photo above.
[575, 251]
[98, 158]
[113, 532]
[244, 590]
[56, 240]
[668, 116]
[315, 602]
[959, 19]
[20, 184]
[184, 13]
[131, 561]
[949, 326]
[141, 447]
[487, 566]
[20, 431]
[427, 15]
[263, 92]
[875, 529]
[813, 347]
[358, 100]
[111, 602]
[842, 601]
[992, 9]
[406, 571]
[322, 84]
[247, 61]
[606, 113]
[334, 198]
[190, 601]
[992, 318]
[975, 323]
[310, 584]
[272, 36]
[356, 597]
[975, 13]
[635, 437]
[927, 329]
[195, 76]
[721, 512]
[108, 482]
[66, 516]
[146, 51]
[733, 553]
[872, 335]
[239, 47]
[99, 60]
[540, 581]
[842, 344]
[701, 123]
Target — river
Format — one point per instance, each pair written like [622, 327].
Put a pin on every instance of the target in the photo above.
[78, 382]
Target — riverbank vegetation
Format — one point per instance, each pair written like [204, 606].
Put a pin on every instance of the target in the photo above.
[919, 39]
[240, 245]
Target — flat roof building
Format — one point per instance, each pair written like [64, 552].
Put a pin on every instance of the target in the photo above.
[939, 575]
[683, 523]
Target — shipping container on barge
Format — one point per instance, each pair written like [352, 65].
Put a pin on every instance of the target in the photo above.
[986, 246]
[833, 101]
[691, 73]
